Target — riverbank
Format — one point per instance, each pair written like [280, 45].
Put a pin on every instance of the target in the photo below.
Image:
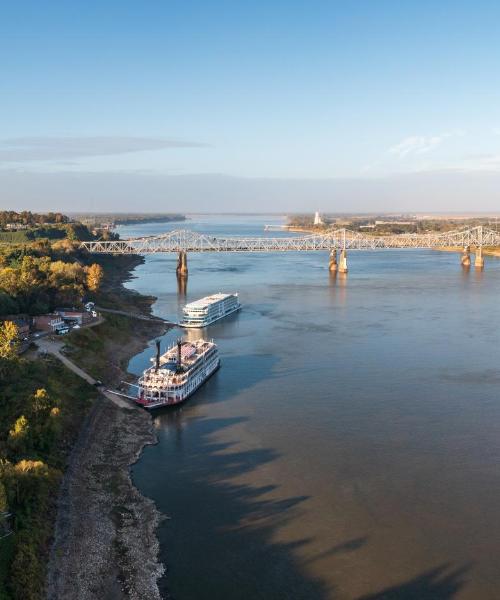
[487, 250]
[105, 544]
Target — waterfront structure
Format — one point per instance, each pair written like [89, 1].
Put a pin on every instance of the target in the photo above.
[80, 317]
[50, 322]
[185, 241]
[207, 310]
[182, 269]
[177, 374]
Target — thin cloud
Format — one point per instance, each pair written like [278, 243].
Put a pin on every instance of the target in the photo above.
[61, 148]
[485, 162]
[421, 144]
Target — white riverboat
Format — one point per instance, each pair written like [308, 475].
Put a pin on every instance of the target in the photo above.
[177, 373]
[207, 310]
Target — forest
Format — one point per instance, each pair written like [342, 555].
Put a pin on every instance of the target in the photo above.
[42, 404]
[32, 219]
[37, 276]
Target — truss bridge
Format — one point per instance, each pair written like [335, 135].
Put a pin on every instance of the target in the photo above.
[185, 241]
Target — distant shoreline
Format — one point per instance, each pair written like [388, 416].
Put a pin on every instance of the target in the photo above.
[139, 221]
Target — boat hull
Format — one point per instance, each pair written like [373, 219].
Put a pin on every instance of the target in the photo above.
[176, 402]
[187, 325]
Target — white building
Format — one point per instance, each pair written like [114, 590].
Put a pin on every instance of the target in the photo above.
[317, 218]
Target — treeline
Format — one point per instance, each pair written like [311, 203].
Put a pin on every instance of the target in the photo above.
[28, 218]
[41, 407]
[72, 231]
[128, 218]
[36, 279]
[135, 219]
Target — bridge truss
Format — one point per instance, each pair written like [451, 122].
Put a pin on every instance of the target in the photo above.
[336, 239]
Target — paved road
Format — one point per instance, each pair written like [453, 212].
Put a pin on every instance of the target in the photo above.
[54, 347]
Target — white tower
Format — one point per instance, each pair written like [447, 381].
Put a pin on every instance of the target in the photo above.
[317, 218]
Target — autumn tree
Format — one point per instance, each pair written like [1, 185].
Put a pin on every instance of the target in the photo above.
[19, 435]
[94, 277]
[9, 340]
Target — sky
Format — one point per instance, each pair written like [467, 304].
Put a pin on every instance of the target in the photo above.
[357, 105]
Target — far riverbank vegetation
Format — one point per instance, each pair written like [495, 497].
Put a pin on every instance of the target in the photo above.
[373, 224]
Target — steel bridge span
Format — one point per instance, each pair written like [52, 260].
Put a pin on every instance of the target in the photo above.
[184, 241]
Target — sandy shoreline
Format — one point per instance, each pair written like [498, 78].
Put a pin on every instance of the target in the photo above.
[105, 543]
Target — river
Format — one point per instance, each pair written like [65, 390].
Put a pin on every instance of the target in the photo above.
[349, 446]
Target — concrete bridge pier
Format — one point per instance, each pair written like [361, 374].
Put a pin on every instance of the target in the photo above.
[343, 261]
[182, 267]
[465, 259]
[333, 266]
[479, 260]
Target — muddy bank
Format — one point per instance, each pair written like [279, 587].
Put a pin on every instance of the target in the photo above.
[105, 544]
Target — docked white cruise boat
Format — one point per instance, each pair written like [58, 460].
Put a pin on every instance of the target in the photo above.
[177, 374]
[207, 310]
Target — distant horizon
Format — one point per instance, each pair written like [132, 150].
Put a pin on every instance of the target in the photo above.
[281, 214]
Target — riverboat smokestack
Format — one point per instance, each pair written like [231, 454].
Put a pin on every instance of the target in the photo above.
[158, 342]
[179, 354]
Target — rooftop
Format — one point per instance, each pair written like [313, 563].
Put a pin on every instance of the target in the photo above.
[207, 300]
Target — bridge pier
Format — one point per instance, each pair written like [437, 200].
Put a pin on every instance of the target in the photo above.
[465, 259]
[343, 261]
[182, 267]
[333, 266]
[479, 260]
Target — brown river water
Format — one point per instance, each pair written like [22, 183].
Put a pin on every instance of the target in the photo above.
[349, 446]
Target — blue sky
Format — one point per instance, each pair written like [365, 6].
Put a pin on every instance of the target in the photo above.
[202, 92]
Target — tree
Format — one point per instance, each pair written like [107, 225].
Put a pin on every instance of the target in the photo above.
[4, 505]
[8, 306]
[26, 576]
[94, 277]
[18, 435]
[41, 401]
[9, 340]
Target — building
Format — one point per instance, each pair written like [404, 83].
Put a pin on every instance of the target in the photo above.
[71, 315]
[16, 226]
[317, 218]
[51, 322]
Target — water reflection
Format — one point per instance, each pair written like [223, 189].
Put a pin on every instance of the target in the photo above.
[182, 281]
[338, 284]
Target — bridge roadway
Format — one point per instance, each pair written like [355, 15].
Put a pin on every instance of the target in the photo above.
[184, 241]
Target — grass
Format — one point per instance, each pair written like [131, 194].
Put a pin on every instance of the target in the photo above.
[104, 350]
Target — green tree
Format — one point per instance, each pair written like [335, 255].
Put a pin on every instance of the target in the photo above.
[4, 505]
[26, 574]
